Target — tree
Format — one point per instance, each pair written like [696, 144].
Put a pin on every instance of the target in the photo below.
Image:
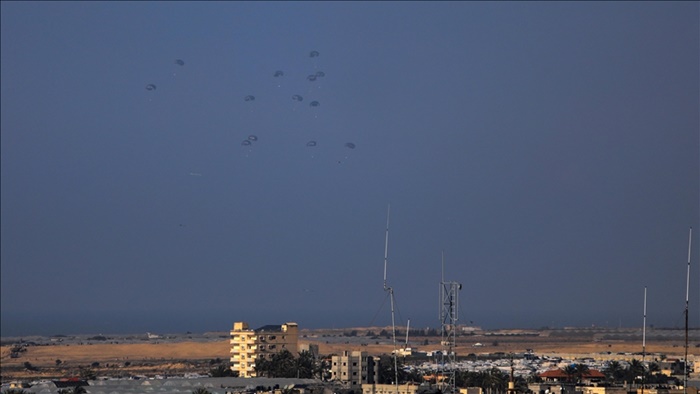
[570, 372]
[614, 371]
[222, 371]
[635, 371]
[534, 377]
[262, 367]
[285, 365]
[200, 390]
[581, 371]
[322, 369]
[494, 381]
[305, 365]
[386, 370]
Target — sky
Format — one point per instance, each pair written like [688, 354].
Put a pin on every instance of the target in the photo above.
[545, 155]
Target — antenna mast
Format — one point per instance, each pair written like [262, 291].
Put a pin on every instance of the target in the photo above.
[687, 290]
[408, 325]
[644, 336]
[391, 296]
[449, 306]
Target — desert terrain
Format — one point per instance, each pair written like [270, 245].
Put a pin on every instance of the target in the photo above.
[65, 356]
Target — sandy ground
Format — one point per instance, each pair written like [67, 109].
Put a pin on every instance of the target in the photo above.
[198, 356]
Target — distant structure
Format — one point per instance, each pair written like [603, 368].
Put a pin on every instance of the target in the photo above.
[354, 369]
[248, 345]
[153, 336]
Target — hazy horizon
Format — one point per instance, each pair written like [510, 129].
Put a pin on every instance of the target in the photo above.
[123, 324]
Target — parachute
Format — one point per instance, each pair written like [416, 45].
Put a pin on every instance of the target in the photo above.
[279, 73]
[296, 97]
[311, 143]
[350, 145]
[179, 62]
[253, 137]
[320, 74]
[246, 143]
[311, 77]
[314, 103]
[150, 86]
[249, 98]
[313, 54]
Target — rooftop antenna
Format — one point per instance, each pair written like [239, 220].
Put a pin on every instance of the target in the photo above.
[390, 290]
[644, 336]
[687, 289]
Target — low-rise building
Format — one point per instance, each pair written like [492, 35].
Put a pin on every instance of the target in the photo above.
[558, 375]
[354, 368]
[408, 388]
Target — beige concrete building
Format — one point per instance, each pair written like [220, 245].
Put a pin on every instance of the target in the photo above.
[408, 388]
[354, 368]
[471, 390]
[248, 345]
[603, 390]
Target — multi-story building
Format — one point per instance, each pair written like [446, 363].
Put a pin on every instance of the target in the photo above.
[248, 345]
[354, 368]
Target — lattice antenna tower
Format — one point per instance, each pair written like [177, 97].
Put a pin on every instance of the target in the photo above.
[449, 308]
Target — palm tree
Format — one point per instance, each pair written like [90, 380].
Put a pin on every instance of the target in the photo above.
[200, 390]
[581, 371]
[494, 381]
[635, 371]
[262, 367]
[305, 365]
[534, 377]
[570, 372]
[614, 371]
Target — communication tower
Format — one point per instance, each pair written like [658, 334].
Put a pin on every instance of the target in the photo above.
[449, 308]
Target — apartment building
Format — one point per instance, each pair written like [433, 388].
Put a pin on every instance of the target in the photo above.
[248, 345]
[354, 368]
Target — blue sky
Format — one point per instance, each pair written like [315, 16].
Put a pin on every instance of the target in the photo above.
[551, 150]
